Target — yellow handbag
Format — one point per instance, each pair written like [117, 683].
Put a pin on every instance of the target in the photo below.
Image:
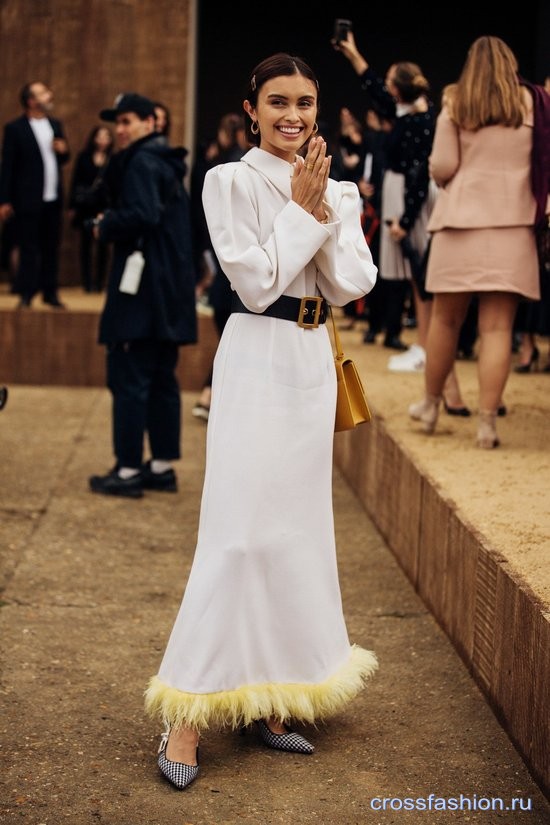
[352, 407]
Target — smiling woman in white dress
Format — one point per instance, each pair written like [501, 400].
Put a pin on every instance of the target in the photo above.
[260, 635]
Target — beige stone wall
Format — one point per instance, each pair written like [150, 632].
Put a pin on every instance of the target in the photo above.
[88, 51]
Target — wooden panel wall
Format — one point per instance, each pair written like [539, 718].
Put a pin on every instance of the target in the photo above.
[497, 624]
[89, 51]
[51, 348]
[48, 347]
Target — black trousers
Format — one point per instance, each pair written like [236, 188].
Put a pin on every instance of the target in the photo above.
[375, 304]
[94, 257]
[141, 376]
[38, 235]
[394, 294]
[221, 296]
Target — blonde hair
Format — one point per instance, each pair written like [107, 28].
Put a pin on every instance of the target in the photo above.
[488, 91]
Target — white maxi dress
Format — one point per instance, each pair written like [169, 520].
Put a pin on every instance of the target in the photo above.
[261, 631]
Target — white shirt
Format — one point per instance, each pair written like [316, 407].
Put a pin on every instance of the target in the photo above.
[43, 133]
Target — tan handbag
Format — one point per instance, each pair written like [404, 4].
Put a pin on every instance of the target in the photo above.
[351, 402]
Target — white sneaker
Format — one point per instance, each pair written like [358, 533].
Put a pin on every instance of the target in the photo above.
[413, 360]
[201, 411]
[203, 307]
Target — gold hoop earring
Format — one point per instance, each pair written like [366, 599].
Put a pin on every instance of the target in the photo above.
[315, 128]
[255, 131]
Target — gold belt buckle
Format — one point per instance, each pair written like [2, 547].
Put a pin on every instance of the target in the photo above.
[309, 315]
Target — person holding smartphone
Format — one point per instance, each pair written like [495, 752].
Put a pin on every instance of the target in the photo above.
[408, 197]
[341, 29]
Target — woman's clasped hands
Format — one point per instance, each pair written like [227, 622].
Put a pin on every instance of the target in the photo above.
[309, 181]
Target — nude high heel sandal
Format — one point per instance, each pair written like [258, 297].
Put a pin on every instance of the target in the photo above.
[486, 432]
[426, 411]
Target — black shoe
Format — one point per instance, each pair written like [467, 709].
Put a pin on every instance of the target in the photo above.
[464, 412]
[54, 302]
[395, 343]
[113, 485]
[369, 337]
[165, 482]
[24, 302]
[532, 362]
[3, 397]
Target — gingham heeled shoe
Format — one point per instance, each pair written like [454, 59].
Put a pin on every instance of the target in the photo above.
[289, 741]
[178, 773]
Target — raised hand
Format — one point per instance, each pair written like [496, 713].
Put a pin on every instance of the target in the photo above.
[309, 182]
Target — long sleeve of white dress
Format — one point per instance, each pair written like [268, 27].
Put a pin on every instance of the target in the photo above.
[260, 631]
[268, 246]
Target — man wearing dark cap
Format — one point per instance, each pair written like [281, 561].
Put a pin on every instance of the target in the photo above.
[149, 310]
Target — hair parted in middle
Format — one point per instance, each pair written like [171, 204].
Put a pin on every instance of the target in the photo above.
[90, 145]
[277, 65]
[488, 91]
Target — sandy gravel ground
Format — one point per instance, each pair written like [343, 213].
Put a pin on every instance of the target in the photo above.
[90, 588]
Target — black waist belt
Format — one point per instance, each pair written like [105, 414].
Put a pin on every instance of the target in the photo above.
[307, 312]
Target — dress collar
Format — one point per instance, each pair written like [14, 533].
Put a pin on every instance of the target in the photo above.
[276, 170]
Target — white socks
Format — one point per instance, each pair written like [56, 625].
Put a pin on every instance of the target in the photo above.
[127, 472]
[159, 466]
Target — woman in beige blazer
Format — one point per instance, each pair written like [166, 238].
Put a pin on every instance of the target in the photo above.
[482, 223]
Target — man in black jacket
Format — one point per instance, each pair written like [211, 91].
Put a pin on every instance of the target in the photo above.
[150, 305]
[33, 152]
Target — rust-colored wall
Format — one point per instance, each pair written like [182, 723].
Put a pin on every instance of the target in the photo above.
[49, 347]
[88, 51]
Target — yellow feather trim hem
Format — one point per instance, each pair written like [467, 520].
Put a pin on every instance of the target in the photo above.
[240, 707]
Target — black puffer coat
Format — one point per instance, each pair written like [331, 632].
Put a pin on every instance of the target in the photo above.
[151, 214]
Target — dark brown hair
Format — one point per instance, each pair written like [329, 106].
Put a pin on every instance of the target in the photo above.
[275, 66]
[168, 125]
[26, 93]
[90, 142]
[410, 81]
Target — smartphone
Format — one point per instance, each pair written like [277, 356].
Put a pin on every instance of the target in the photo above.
[341, 29]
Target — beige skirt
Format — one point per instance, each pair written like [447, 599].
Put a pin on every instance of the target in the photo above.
[500, 259]
[393, 265]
